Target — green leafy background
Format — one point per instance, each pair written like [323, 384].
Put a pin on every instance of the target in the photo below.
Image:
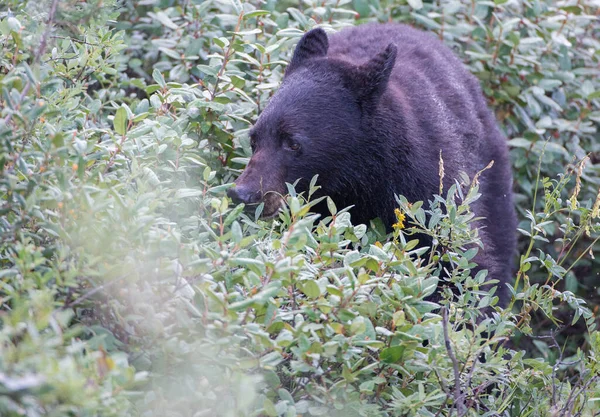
[130, 285]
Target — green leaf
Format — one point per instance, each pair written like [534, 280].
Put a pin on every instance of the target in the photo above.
[269, 408]
[331, 206]
[358, 325]
[362, 7]
[392, 354]
[318, 411]
[14, 24]
[256, 13]
[237, 5]
[415, 4]
[594, 95]
[165, 20]
[120, 121]
[310, 288]
[159, 78]
[6, 273]
[188, 192]
[236, 232]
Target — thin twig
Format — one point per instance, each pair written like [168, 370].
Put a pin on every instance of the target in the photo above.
[75, 40]
[40, 52]
[44, 40]
[570, 403]
[458, 398]
[227, 56]
[92, 292]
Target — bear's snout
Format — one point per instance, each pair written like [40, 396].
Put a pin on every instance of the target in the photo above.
[261, 182]
[244, 194]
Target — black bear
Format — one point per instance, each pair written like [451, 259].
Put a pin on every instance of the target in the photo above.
[369, 109]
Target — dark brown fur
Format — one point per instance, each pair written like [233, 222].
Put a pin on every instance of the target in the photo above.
[368, 110]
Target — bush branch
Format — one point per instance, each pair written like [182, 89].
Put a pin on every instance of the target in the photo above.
[458, 397]
[44, 40]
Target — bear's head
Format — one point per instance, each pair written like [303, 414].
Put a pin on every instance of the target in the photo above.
[316, 124]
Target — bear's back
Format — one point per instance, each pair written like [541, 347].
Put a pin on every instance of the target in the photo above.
[359, 43]
[419, 52]
[432, 89]
[432, 103]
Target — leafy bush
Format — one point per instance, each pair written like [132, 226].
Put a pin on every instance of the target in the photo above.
[131, 286]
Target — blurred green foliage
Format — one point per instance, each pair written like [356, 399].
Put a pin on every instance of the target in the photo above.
[129, 285]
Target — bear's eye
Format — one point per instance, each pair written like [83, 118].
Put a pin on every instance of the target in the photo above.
[253, 143]
[295, 146]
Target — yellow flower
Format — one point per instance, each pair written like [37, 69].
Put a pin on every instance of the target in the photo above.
[400, 217]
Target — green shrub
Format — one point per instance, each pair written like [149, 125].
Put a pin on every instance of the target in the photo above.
[131, 286]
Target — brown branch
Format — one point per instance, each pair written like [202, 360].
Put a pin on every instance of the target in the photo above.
[93, 291]
[458, 397]
[75, 40]
[44, 40]
[37, 56]
[119, 149]
[227, 55]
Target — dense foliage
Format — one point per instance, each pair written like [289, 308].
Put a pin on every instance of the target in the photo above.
[130, 285]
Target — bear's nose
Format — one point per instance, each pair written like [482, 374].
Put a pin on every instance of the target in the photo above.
[241, 194]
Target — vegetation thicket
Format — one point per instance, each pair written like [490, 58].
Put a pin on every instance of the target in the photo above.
[131, 285]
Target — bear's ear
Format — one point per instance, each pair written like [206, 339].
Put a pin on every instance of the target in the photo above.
[314, 44]
[373, 76]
